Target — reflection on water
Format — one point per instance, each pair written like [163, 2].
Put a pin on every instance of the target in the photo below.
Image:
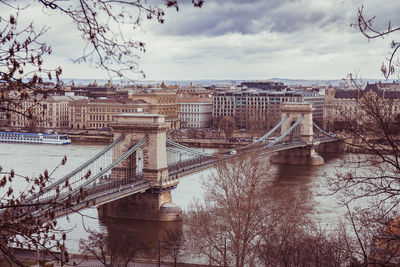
[140, 237]
[312, 180]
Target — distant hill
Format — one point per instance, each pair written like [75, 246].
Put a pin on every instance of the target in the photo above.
[207, 82]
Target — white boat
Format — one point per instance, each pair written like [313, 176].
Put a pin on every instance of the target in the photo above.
[35, 138]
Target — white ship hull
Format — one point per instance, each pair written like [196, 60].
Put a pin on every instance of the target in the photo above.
[34, 138]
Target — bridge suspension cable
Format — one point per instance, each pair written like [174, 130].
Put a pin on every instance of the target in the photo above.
[263, 138]
[324, 132]
[180, 151]
[187, 149]
[67, 195]
[299, 119]
[77, 170]
[115, 163]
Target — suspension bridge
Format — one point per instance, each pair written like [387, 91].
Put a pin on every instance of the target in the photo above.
[132, 178]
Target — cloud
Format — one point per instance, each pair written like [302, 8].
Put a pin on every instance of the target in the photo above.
[241, 39]
[251, 17]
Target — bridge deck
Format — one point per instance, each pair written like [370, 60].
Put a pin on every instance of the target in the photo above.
[99, 193]
[194, 165]
[94, 195]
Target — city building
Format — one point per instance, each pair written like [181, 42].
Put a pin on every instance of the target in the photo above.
[97, 114]
[194, 92]
[94, 113]
[94, 90]
[265, 85]
[195, 112]
[49, 113]
[160, 101]
[260, 109]
[340, 104]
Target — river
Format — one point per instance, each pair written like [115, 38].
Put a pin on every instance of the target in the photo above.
[31, 160]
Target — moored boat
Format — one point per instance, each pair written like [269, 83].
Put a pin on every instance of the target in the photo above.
[34, 138]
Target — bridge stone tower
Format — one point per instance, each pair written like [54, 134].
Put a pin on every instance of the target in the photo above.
[154, 204]
[303, 132]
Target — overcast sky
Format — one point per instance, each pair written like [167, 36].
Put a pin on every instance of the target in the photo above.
[245, 39]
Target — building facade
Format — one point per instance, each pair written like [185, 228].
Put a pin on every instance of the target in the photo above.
[344, 105]
[97, 114]
[260, 109]
[160, 101]
[49, 113]
[195, 112]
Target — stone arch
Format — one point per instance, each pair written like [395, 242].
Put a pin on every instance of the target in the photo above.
[293, 111]
[305, 155]
[295, 134]
[152, 154]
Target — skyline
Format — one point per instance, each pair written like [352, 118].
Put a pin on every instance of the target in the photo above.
[241, 40]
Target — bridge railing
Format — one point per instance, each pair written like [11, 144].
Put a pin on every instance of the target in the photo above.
[112, 165]
[89, 196]
[64, 196]
[69, 176]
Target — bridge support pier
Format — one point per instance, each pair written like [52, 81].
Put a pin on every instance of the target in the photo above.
[333, 147]
[152, 205]
[298, 156]
[155, 204]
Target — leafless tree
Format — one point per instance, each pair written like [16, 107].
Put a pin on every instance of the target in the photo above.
[102, 26]
[20, 227]
[110, 250]
[193, 133]
[100, 22]
[173, 244]
[371, 31]
[306, 245]
[22, 77]
[252, 124]
[375, 172]
[21, 66]
[240, 206]
[368, 182]
[227, 124]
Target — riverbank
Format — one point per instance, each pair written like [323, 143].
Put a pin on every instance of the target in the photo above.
[91, 138]
[34, 258]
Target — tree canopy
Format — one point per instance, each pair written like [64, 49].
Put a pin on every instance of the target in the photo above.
[105, 27]
[101, 25]
[370, 30]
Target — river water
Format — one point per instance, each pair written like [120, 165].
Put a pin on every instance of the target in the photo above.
[31, 160]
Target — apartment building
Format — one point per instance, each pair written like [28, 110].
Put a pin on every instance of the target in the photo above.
[260, 109]
[195, 112]
[97, 114]
[160, 101]
[341, 105]
[49, 113]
